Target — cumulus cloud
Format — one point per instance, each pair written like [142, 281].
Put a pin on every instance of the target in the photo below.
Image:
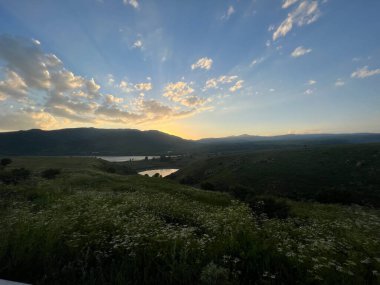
[238, 85]
[306, 13]
[203, 63]
[309, 92]
[133, 3]
[223, 79]
[182, 93]
[49, 95]
[300, 51]
[138, 44]
[364, 72]
[143, 86]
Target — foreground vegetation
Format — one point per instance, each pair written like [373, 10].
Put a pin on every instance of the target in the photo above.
[93, 224]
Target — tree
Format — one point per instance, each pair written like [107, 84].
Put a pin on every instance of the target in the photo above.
[5, 161]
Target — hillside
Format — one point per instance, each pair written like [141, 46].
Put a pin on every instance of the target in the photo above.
[87, 226]
[338, 174]
[90, 141]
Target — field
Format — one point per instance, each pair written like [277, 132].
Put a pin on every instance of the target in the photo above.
[99, 223]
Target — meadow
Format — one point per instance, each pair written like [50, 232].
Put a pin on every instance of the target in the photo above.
[100, 223]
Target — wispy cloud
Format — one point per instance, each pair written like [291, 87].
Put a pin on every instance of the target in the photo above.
[288, 3]
[203, 63]
[229, 12]
[215, 83]
[300, 51]
[311, 82]
[133, 3]
[339, 82]
[365, 72]
[238, 85]
[137, 44]
[306, 13]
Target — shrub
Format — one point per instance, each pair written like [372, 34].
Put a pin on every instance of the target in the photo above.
[14, 176]
[207, 186]
[271, 207]
[50, 173]
[5, 161]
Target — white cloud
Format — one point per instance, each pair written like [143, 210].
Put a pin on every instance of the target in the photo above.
[238, 85]
[257, 61]
[311, 82]
[143, 86]
[309, 92]
[288, 3]
[306, 13]
[138, 44]
[300, 51]
[339, 82]
[223, 79]
[203, 63]
[133, 3]
[182, 93]
[365, 72]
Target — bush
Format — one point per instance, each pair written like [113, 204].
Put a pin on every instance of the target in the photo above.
[14, 176]
[50, 173]
[5, 161]
[207, 186]
[271, 207]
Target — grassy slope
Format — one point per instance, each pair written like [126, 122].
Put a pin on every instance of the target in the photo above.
[88, 226]
[329, 174]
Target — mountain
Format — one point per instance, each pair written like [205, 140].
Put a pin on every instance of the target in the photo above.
[341, 138]
[90, 141]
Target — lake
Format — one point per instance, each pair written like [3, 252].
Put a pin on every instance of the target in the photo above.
[126, 158]
[162, 172]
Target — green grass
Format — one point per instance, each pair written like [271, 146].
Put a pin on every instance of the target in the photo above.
[88, 226]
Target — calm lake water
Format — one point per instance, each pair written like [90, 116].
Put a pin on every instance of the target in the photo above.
[162, 172]
[125, 158]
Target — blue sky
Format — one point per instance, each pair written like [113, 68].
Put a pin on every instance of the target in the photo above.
[191, 68]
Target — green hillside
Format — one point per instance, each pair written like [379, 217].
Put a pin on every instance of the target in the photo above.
[339, 174]
[88, 226]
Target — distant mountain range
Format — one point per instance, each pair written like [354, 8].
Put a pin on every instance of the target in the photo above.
[91, 141]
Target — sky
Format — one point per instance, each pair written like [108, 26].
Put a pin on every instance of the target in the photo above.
[195, 69]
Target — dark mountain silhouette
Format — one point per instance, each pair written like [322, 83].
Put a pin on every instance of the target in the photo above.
[91, 141]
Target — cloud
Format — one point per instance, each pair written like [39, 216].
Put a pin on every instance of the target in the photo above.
[13, 86]
[203, 63]
[339, 82]
[257, 61]
[309, 92]
[138, 44]
[300, 51]
[288, 3]
[133, 3]
[223, 79]
[49, 95]
[182, 93]
[306, 13]
[143, 86]
[230, 11]
[364, 72]
[238, 85]
[311, 82]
